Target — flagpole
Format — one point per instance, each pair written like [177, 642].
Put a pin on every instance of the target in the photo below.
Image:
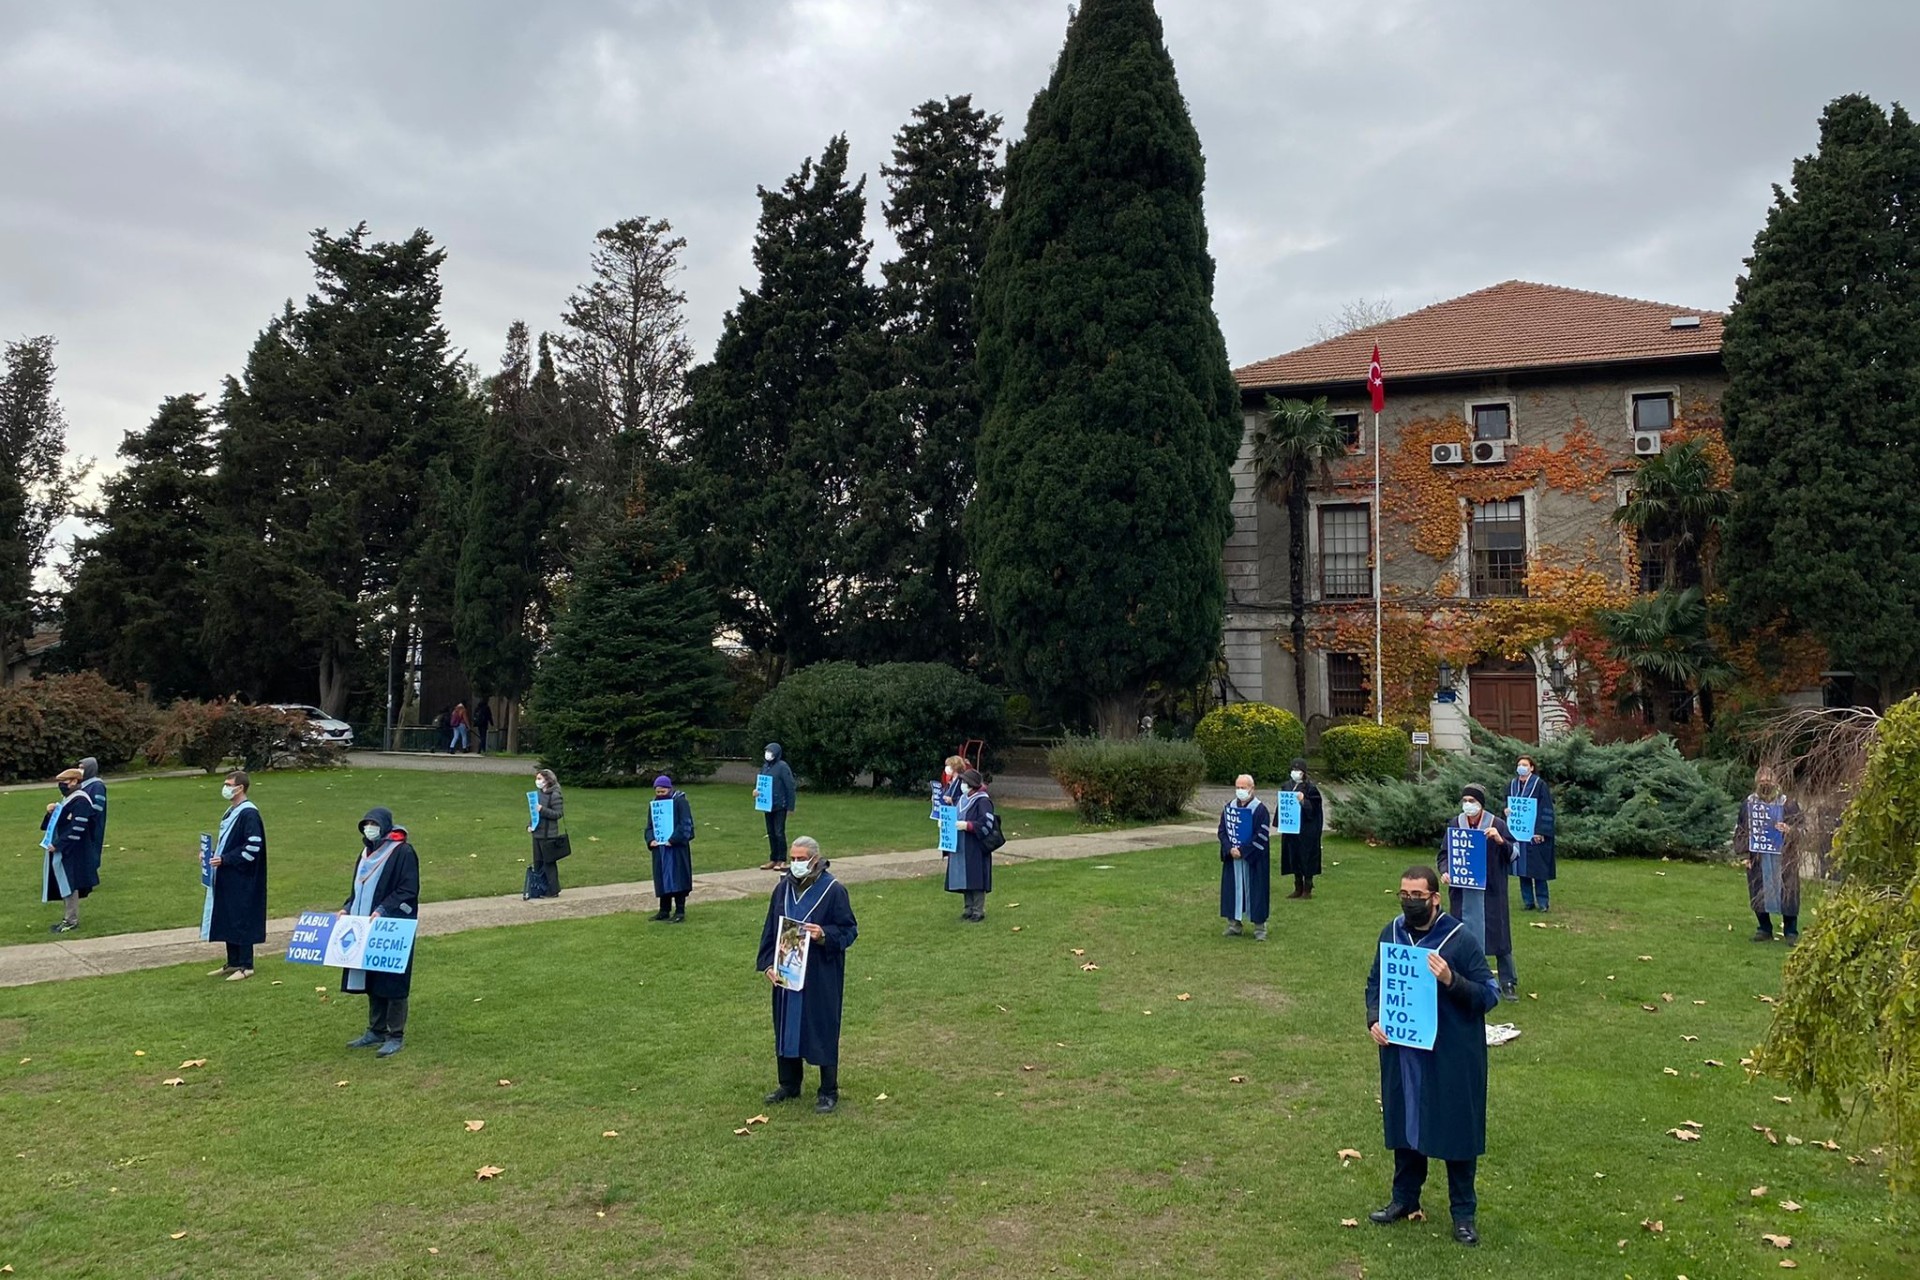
[1379, 673]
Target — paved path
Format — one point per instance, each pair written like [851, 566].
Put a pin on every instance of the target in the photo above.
[123, 953]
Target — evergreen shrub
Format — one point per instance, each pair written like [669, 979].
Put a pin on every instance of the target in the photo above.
[1380, 752]
[1143, 779]
[207, 735]
[1249, 737]
[897, 721]
[47, 724]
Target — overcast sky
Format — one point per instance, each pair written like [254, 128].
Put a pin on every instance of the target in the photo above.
[161, 165]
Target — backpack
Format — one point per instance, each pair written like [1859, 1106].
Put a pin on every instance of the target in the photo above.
[993, 837]
[536, 885]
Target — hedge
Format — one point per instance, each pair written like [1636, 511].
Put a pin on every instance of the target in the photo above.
[897, 720]
[207, 735]
[1144, 779]
[1250, 737]
[49, 724]
[1376, 751]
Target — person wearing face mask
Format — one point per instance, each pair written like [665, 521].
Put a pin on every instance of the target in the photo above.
[1485, 910]
[806, 1022]
[1773, 879]
[1534, 859]
[1300, 855]
[548, 845]
[240, 880]
[386, 882]
[950, 779]
[96, 788]
[1433, 1102]
[68, 870]
[970, 867]
[1245, 867]
[775, 766]
[672, 852]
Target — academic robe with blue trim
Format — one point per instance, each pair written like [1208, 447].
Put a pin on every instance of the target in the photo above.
[1535, 861]
[970, 867]
[806, 1023]
[71, 820]
[96, 790]
[673, 860]
[1434, 1101]
[240, 885]
[1251, 873]
[395, 892]
[1498, 923]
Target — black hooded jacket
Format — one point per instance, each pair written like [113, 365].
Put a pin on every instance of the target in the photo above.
[782, 779]
[396, 892]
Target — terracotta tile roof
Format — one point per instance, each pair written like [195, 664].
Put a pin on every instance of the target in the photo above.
[1515, 325]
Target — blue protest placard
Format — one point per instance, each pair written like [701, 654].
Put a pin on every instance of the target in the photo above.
[662, 813]
[763, 793]
[1239, 825]
[1763, 836]
[1286, 812]
[949, 828]
[1409, 996]
[207, 873]
[934, 812]
[1523, 816]
[533, 809]
[1466, 858]
[378, 944]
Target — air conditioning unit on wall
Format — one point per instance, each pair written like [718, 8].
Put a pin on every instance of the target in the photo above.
[1449, 455]
[1485, 451]
[1646, 444]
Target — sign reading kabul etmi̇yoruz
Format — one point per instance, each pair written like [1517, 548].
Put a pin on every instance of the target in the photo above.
[378, 944]
[1466, 858]
[1409, 996]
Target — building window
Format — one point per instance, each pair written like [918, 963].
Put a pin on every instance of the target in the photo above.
[1653, 412]
[1344, 545]
[1497, 536]
[1492, 421]
[1346, 685]
[1655, 557]
[1348, 425]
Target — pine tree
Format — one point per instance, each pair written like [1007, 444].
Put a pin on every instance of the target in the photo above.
[37, 482]
[1111, 413]
[137, 587]
[1822, 350]
[632, 683]
[774, 423]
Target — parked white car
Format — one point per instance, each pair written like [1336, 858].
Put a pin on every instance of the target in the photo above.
[321, 727]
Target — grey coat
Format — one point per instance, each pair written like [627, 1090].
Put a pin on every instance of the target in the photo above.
[553, 806]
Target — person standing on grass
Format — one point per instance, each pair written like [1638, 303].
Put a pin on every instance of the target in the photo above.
[69, 874]
[672, 852]
[1773, 878]
[970, 868]
[1433, 1102]
[386, 882]
[1533, 858]
[1300, 855]
[482, 723]
[775, 766]
[550, 808]
[96, 788]
[240, 883]
[806, 1022]
[1485, 911]
[950, 779]
[1245, 865]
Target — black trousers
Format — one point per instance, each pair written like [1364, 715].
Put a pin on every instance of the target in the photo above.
[792, 1069]
[551, 870]
[975, 901]
[239, 955]
[387, 1017]
[1410, 1174]
[776, 835]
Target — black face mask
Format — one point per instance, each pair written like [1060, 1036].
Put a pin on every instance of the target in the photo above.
[1418, 915]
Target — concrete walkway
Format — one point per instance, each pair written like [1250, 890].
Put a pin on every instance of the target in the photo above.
[124, 953]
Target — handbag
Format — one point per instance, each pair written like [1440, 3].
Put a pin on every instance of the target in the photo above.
[993, 837]
[552, 848]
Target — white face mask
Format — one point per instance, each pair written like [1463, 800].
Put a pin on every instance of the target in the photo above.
[799, 868]
[1296, 775]
[1470, 807]
[966, 788]
[369, 832]
[1242, 794]
[229, 791]
[769, 757]
[1523, 769]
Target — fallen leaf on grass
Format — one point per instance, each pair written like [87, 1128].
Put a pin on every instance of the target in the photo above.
[1533, 995]
[1828, 1145]
[475, 1126]
[1779, 1098]
[1758, 1191]
[1650, 1224]
[1691, 1124]
[881, 1098]
[1345, 1222]
[1010, 906]
[1644, 957]
[1148, 1013]
[172, 1081]
[1347, 1155]
[141, 1053]
[433, 1251]
[25, 1061]
[1795, 1142]
[339, 1084]
[1538, 925]
[1184, 996]
[1766, 999]
[1651, 1008]
[742, 1132]
[1619, 1244]
[504, 1084]
[756, 1120]
[1788, 1263]
[276, 982]
[1418, 1215]
[193, 1062]
[1856, 1159]
[1667, 996]
[1771, 1140]
[1689, 1039]
[611, 1133]
[1088, 967]
[1015, 929]
[1791, 1206]
[1685, 1135]
[178, 1235]
[488, 1172]
[1669, 1071]
[320, 990]
[1778, 1242]
[1026, 1066]
[1079, 951]
[1715, 1062]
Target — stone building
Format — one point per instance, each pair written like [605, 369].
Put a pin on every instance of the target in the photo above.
[1514, 419]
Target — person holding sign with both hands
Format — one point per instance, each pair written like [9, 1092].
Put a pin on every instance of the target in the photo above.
[1478, 855]
[1428, 995]
[670, 837]
[1530, 818]
[1245, 865]
[1300, 833]
[811, 909]
[1767, 818]
[386, 882]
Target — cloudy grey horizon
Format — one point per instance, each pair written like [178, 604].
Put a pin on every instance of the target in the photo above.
[167, 164]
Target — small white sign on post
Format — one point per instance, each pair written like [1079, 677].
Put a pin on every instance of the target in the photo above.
[1422, 739]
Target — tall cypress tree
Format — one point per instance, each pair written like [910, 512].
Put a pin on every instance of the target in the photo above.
[1111, 414]
[1822, 350]
[774, 421]
[137, 588]
[36, 481]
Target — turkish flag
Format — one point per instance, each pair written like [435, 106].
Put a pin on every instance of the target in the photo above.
[1376, 384]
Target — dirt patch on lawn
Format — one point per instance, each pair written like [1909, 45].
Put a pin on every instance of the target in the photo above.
[1264, 996]
[13, 1033]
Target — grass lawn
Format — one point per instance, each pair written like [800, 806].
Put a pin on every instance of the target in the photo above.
[470, 829]
[1038, 1118]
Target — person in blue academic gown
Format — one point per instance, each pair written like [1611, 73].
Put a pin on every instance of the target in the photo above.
[1534, 859]
[96, 788]
[970, 868]
[240, 880]
[1485, 911]
[1773, 879]
[1300, 854]
[806, 1022]
[775, 766]
[1246, 829]
[386, 882]
[68, 867]
[672, 853]
[1434, 1101]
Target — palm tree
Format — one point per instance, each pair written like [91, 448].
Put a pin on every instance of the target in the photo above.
[1291, 450]
[1676, 507]
[1663, 639]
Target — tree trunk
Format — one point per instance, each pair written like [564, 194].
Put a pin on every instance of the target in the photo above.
[333, 681]
[1118, 715]
[1297, 588]
[513, 726]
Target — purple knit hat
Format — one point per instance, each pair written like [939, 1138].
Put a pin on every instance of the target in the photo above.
[663, 781]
